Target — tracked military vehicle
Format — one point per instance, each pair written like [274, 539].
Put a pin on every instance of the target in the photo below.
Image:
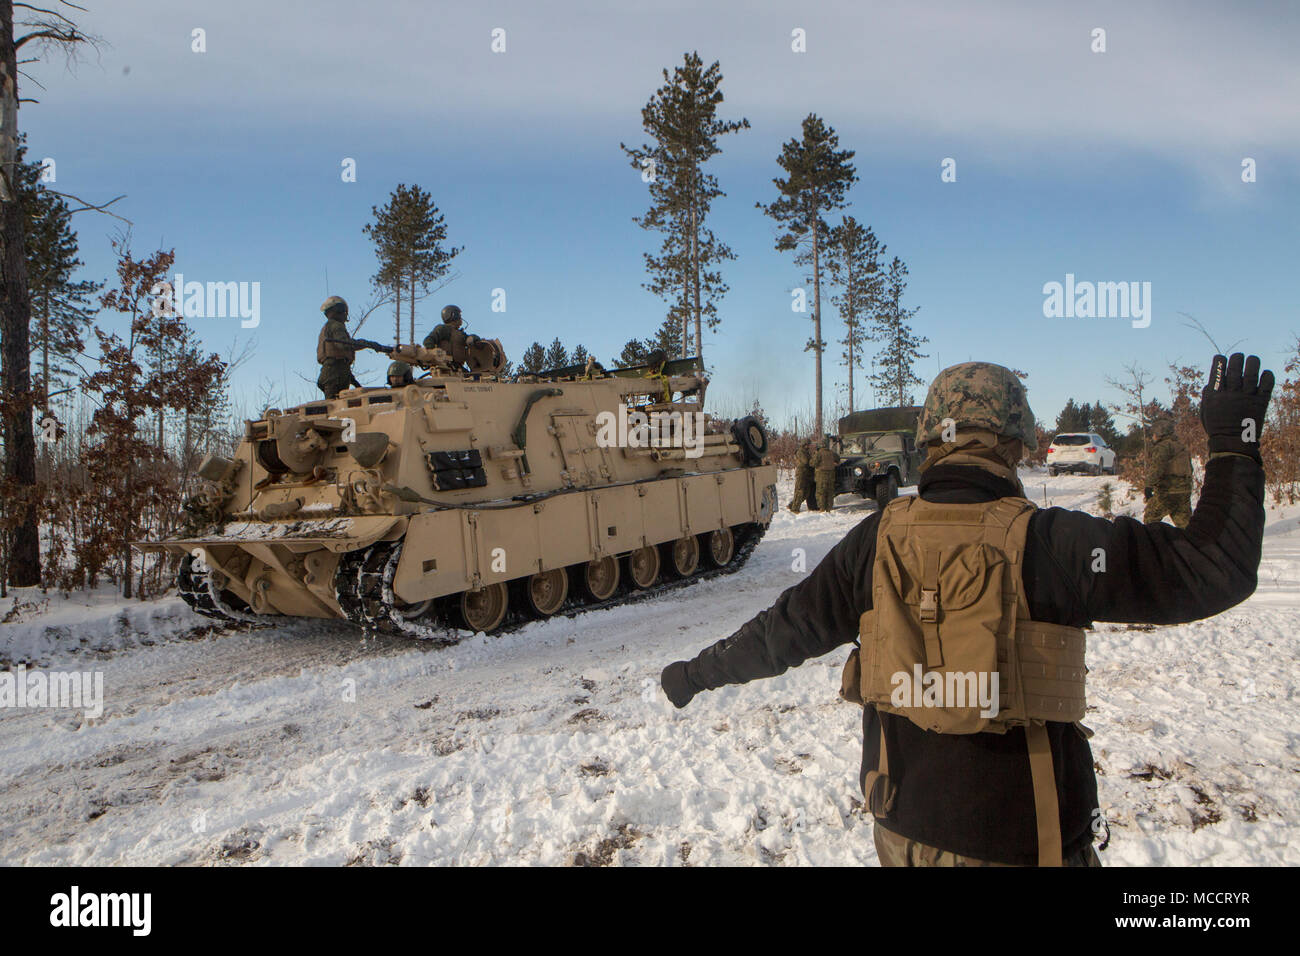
[471, 502]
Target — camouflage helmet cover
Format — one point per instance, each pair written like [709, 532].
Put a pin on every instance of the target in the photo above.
[977, 395]
[332, 302]
[451, 313]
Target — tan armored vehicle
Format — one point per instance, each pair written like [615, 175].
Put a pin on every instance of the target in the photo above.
[471, 502]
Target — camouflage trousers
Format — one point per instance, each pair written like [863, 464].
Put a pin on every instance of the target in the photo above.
[1175, 502]
[803, 490]
[895, 850]
[825, 490]
[335, 375]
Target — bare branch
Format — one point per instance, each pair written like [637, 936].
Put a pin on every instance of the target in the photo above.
[386, 298]
[51, 13]
[51, 34]
[1195, 323]
[89, 206]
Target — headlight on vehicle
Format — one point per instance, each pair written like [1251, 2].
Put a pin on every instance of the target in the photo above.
[857, 472]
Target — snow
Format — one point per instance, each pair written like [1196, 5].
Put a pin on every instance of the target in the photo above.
[300, 743]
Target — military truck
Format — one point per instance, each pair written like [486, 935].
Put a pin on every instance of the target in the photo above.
[471, 502]
[878, 453]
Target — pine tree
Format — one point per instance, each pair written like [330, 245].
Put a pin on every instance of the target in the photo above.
[580, 355]
[533, 360]
[895, 363]
[1073, 417]
[409, 233]
[556, 355]
[817, 181]
[634, 353]
[62, 307]
[681, 120]
[853, 260]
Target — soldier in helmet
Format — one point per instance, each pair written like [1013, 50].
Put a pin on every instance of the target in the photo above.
[826, 463]
[399, 374]
[965, 768]
[335, 349]
[1169, 480]
[449, 336]
[803, 479]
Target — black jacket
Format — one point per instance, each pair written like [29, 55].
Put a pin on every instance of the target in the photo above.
[970, 794]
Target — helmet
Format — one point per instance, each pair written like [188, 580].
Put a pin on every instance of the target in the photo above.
[451, 313]
[333, 302]
[399, 373]
[1162, 426]
[977, 395]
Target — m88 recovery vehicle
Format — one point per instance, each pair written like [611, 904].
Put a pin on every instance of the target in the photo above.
[470, 502]
[878, 453]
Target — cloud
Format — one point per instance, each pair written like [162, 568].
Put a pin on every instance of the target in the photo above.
[1176, 77]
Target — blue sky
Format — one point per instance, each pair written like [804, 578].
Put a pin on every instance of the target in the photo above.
[1115, 166]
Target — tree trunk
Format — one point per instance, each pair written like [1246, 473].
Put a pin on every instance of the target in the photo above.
[397, 286]
[695, 276]
[15, 325]
[852, 318]
[817, 324]
[45, 376]
[684, 319]
[412, 308]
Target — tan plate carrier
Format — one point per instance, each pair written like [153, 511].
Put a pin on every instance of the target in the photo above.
[948, 607]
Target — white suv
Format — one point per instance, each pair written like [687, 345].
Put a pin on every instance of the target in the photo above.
[1080, 451]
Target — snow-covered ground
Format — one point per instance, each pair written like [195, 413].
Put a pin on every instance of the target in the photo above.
[300, 743]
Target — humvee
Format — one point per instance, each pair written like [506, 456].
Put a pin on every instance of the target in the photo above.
[878, 453]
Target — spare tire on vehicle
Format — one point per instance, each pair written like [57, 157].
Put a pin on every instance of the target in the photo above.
[752, 438]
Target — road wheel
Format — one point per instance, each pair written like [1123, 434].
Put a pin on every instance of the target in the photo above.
[643, 567]
[720, 547]
[1051, 471]
[887, 490]
[683, 555]
[544, 593]
[600, 578]
[484, 609]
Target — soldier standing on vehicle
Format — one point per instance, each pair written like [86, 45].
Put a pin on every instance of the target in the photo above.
[803, 478]
[826, 463]
[335, 349]
[1169, 482]
[1008, 781]
[449, 337]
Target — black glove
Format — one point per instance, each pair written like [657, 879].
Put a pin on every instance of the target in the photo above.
[1234, 403]
[677, 685]
[1146, 494]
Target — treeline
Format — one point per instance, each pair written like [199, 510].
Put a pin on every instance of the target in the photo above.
[683, 133]
[1140, 406]
[121, 419]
